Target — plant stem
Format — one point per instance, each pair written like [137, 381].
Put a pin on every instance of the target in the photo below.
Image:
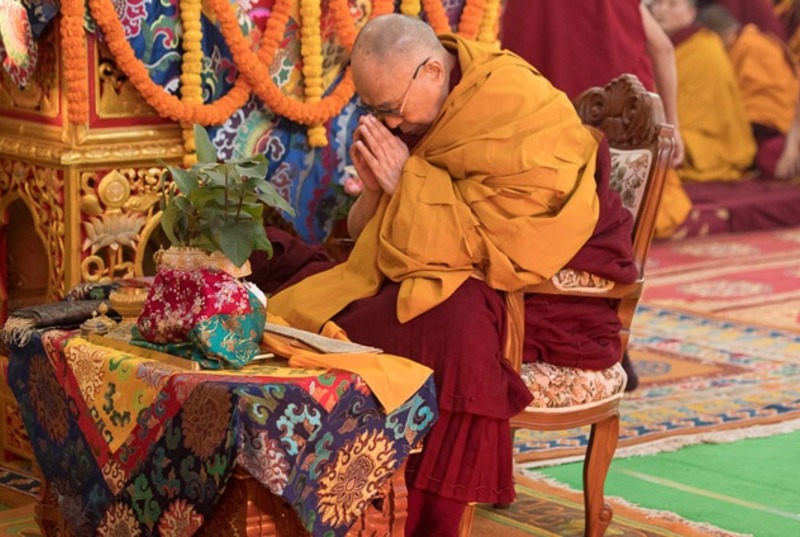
[241, 202]
[225, 214]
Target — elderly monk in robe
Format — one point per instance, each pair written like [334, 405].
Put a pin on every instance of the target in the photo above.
[479, 178]
[768, 79]
[718, 142]
[578, 44]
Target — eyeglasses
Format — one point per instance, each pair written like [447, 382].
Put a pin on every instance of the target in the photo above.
[381, 113]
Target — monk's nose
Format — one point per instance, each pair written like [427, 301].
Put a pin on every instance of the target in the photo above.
[392, 122]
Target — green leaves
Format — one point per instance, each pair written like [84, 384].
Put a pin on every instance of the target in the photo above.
[219, 205]
[203, 146]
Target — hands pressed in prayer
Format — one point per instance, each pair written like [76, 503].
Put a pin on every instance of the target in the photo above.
[378, 155]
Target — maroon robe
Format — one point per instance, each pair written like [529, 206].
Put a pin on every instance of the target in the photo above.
[578, 44]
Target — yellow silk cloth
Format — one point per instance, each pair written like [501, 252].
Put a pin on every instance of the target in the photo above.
[715, 130]
[675, 206]
[501, 187]
[767, 74]
[391, 378]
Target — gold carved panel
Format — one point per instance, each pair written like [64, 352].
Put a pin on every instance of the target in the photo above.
[119, 212]
[42, 190]
[40, 97]
[116, 97]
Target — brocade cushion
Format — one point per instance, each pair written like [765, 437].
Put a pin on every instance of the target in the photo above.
[555, 386]
[629, 169]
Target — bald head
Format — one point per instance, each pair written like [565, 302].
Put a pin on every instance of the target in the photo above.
[401, 71]
[393, 38]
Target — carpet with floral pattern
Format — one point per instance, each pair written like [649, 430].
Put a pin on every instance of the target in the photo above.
[720, 320]
[752, 277]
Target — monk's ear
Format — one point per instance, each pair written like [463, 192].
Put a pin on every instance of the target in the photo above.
[435, 69]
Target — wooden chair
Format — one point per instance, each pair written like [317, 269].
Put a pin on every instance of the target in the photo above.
[641, 146]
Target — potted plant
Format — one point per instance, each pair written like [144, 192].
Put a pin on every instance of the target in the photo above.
[218, 206]
[197, 306]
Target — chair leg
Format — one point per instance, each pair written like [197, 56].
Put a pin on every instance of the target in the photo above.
[465, 527]
[602, 445]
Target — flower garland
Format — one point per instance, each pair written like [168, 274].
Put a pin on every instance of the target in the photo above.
[437, 16]
[470, 23]
[191, 69]
[381, 7]
[410, 7]
[472, 17]
[488, 31]
[311, 51]
[166, 105]
[253, 67]
[73, 45]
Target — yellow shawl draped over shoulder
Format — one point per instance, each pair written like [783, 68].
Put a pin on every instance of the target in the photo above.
[501, 187]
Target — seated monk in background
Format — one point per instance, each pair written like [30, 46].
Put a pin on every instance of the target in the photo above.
[479, 178]
[768, 79]
[718, 141]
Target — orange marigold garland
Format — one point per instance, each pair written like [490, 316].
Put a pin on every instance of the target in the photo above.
[311, 50]
[73, 45]
[344, 23]
[191, 69]
[437, 16]
[381, 7]
[410, 7]
[491, 14]
[470, 22]
[253, 68]
[166, 105]
[468, 25]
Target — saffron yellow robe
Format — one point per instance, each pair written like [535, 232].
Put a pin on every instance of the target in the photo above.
[767, 75]
[716, 132]
[501, 187]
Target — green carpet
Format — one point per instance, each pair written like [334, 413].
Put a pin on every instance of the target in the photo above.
[748, 486]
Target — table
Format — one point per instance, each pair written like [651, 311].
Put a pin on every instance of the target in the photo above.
[141, 446]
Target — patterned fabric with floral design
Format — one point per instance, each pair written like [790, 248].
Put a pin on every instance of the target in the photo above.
[18, 50]
[137, 447]
[629, 169]
[559, 387]
[205, 315]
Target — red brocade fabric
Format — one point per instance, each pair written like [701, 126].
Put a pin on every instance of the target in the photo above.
[578, 44]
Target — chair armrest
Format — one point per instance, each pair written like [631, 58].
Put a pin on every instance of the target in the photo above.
[580, 283]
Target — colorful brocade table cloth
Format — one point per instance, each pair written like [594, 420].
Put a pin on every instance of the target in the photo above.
[131, 446]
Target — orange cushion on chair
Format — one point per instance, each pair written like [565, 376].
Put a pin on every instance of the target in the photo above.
[555, 386]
